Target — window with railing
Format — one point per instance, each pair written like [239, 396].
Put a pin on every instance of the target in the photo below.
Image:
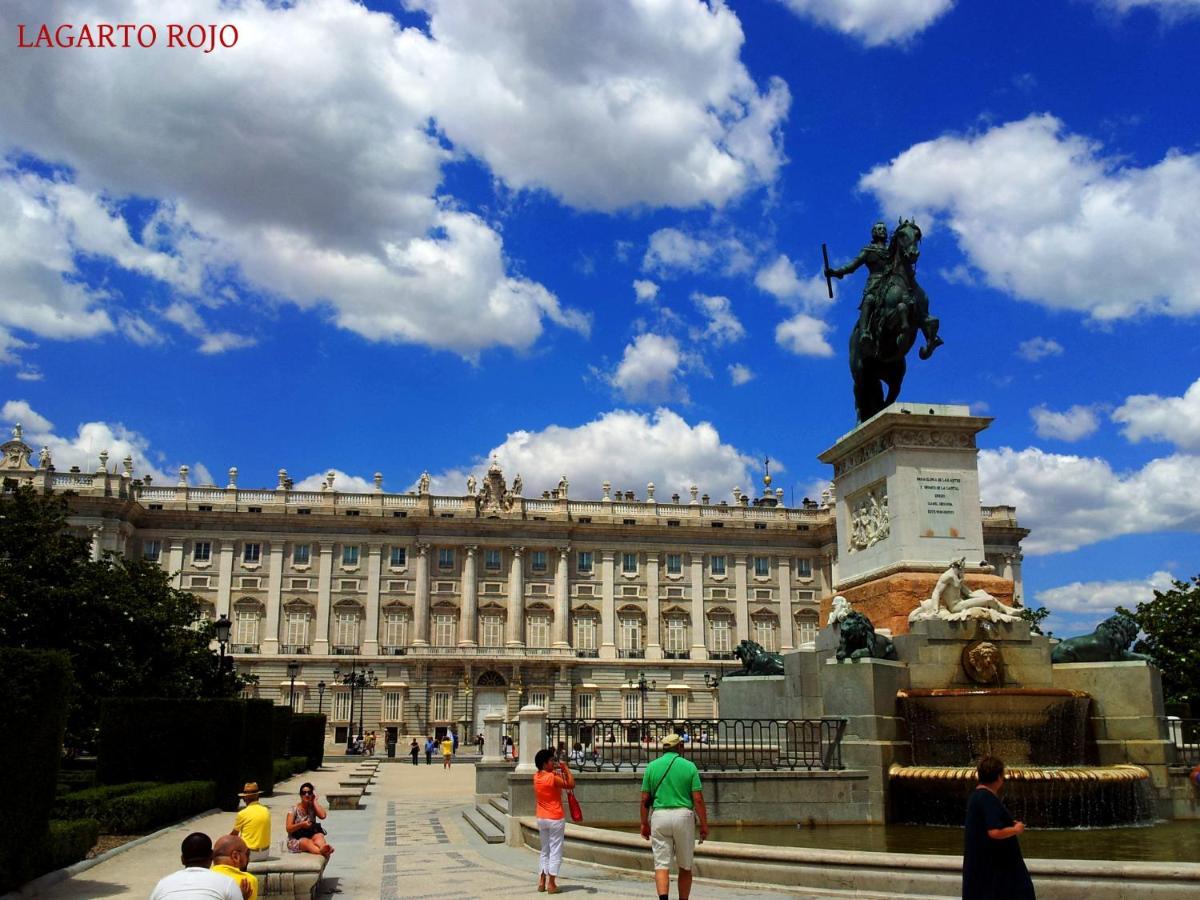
[537, 630]
[395, 628]
[345, 627]
[245, 625]
[398, 558]
[301, 554]
[806, 627]
[585, 706]
[720, 634]
[491, 631]
[350, 555]
[766, 633]
[632, 703]
[716, 565]
[296, 620]
[393, 703]
[444, 628]
[491, 560]
[441, 706]
[341, 706]
[675, 636]
[674, 563]
[202, 551]
[630, 633]
[585, 633]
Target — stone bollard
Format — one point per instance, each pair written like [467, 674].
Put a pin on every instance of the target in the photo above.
[531, 737]
[493, 749]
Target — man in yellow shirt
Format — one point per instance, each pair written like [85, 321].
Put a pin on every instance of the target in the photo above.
[447, 750]
[253, 823]
[230, 858]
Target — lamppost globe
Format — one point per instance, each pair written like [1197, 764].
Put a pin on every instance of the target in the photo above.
[223, 627]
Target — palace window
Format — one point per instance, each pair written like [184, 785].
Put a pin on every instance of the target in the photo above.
[676, 637]
[804, 567]
[631, 632]
[585, 706]
[445, 557]
[443, 629]
[399, 558]
[296, 699]
[341, 706]
[629, 563]
[674, 563]
[632, 701]
[151, 550]
[301, 553]
[583, 562]
[539, 698]
[395, 628]
[491, 560]
[392, 706]
[441, 706]
[585, 633]
[762, 566]
[806, 626]
[491, 630]
[766, 633]
[296, 626]
[537, 560]
[716, 565]
[720, 634]
[350, 555]
[202, 551]
[537, 630]
[251, 553]
[678, 706]
[345, 627]
[245, 621]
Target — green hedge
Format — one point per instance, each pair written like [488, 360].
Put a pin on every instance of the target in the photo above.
[308, 738]
[283, 769]
[225, 741]
[37, 688]
[68, 843]
[281, 726]
[70, 782]
[90, 804]
[299, 764]
[154, 807]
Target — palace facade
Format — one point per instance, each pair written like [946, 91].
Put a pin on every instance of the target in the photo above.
[463, 606]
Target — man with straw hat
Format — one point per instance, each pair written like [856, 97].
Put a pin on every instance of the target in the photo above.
[671, 803]
[253, 823]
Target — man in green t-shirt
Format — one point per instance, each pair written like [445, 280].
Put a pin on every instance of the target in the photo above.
[671, 803]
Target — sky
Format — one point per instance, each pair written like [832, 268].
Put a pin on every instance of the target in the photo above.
[584, 236]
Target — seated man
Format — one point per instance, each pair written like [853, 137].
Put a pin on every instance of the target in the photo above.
[196, 881]
[230, 858]
[253, 823]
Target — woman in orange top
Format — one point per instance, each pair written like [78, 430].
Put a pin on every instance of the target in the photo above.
[552, 778]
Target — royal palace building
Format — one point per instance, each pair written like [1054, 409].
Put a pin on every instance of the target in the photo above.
[464, 606]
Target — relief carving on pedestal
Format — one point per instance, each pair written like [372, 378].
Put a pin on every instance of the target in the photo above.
[870, 521]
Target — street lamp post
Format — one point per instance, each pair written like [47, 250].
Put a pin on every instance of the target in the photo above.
[359, 681]
[222, 626]
[644, 687]
[320, 696]
[293, 669]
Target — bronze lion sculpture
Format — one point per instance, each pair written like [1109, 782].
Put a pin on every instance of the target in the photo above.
[859, 640]
[756, 660]
[1108, 643]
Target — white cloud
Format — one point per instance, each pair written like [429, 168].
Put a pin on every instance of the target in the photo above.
[1072, 501]
[211, 342]
[1071, 424]
[29, 374]
[1038, 348]
[1169, 9]
[1155, 418]
[669, 451]
[721, 326]
[873, 22]
[740, 374]
[779, 279]
[647, 371]
[1102, 597]
[670, 252]
[803, 335]
[351, 484]
[646, 291]
[1045, 216]
[20, 412]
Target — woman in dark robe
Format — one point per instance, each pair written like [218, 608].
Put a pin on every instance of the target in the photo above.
[993, 868]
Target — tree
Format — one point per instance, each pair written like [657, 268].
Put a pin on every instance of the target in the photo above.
[1171, 625]
[127, 631]
[1035, 617]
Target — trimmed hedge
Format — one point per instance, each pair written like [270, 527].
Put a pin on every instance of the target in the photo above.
[281, 727]
[308, 738]
[154, 807]
[90, 804]
[283, 769]
[224, 741]
[68, 843]
[299, 764]
[37, 688]
[70, 782]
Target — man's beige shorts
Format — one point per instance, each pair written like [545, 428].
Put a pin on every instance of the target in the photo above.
[672, 830]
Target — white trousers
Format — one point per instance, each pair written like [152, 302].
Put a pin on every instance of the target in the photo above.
[552, 833]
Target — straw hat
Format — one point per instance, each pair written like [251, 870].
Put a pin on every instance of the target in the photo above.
[671, 740]
[250, 790]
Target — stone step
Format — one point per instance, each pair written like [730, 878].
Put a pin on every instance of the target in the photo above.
[493, 815]
[484, 827]
[500, 803]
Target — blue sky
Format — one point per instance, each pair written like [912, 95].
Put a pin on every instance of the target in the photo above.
[585, 236]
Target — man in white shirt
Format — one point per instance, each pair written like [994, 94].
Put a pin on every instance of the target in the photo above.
[196, 881]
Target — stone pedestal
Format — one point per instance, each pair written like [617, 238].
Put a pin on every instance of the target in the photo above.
[933, 651]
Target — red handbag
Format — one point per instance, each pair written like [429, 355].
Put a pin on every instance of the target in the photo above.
[576, 812]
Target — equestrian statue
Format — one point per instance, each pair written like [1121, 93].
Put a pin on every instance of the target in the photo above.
[893, 309]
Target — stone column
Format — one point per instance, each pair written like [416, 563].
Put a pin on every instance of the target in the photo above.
[493, 748]
[697, 561]
[370, 644]
[421, 606]
[653, 642]
[516, 599]
[787, 622]
[270, 642]
[608, 605]
[531, 737]
[225, 577]
[468, 621]
[741, 599]
[562, 600]
[324, 588]
[175, 562]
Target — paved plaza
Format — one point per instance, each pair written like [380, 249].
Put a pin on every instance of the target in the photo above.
[410, 841]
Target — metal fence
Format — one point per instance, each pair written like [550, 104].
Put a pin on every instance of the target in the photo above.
[1185, 735]
[614, 745]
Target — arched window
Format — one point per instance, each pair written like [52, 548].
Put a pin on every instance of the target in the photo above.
[247, 622]
[806, 626]
[396, 620]
[297, 619]
[490, 679]
[491, 626]
[537, 626]
[720, 633]
[676, 633]
[347, 619]
[586, 624]
[631, 632]
[764, 628]
[445, 626]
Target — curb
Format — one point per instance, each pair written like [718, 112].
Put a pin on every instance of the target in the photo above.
[39, 884]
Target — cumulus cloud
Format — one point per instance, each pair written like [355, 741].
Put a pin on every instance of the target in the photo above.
[646, 291]
[1072, 501]
[185, 316]
[740, 374]
[670, 252]
[1047, 217]
[90, 439]
[803, 335]
[721, 326]
[1149, 417]
[1072, 424]
[351, 484]
[1038, 348]
[875, 22]
[1082, 605]
[779, 279]
[670, 452]
[1168, 9]
[322, 186]
[648, 369]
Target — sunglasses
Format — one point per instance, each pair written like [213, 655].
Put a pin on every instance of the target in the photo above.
[306, 793]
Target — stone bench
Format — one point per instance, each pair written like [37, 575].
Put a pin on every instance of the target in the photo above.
[290, 875]
[348, 799]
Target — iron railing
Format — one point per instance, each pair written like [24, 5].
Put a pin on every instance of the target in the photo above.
[712, 744]
[1185, 735]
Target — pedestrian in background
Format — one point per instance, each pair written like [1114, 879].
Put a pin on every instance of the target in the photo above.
[430, 746]
[671, 803]
[552, 778]
[447, 751]
[993, 868]
[414, 750]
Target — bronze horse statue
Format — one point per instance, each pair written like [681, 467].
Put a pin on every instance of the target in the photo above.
[899, 310]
